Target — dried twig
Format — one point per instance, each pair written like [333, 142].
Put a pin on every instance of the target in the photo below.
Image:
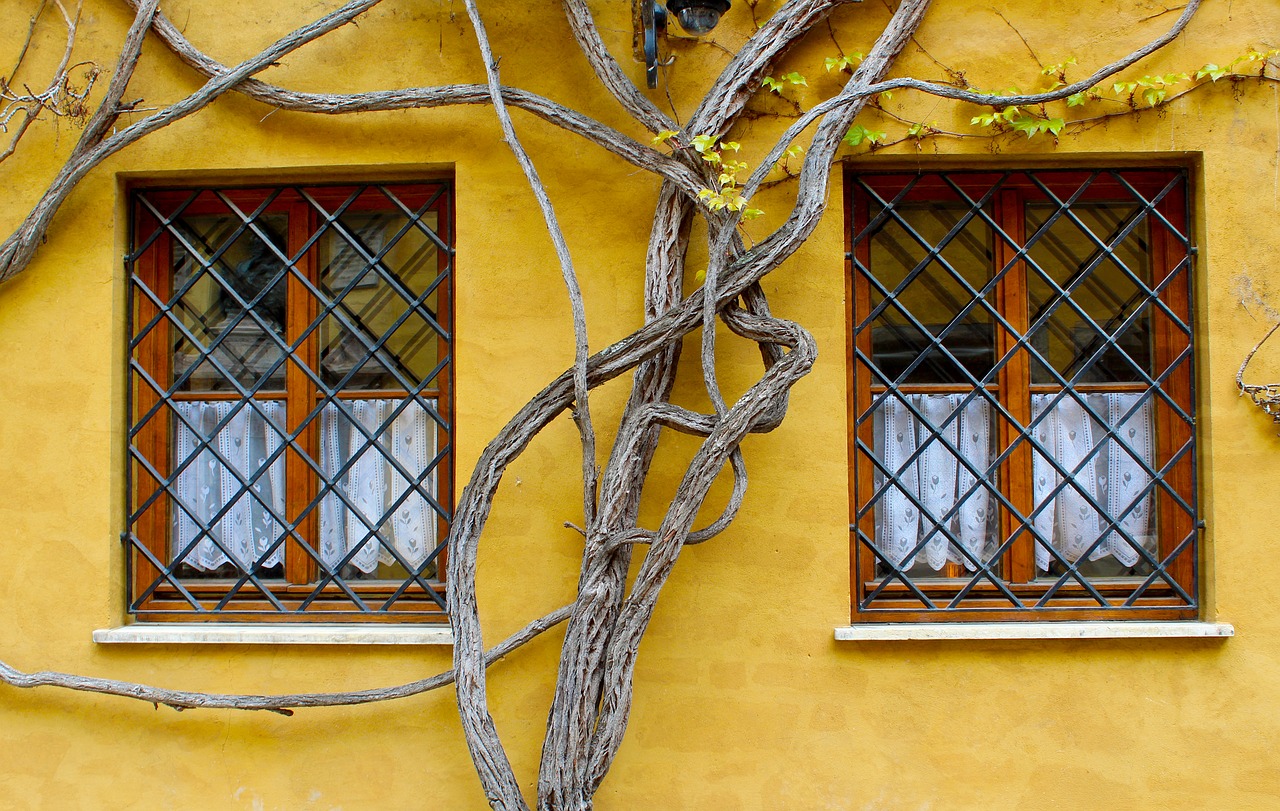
[58, 98]
[26, 41]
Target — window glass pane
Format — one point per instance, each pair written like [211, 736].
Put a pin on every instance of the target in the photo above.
[386, 329]
[925, 258]
[324, 491]
[1088, 283]
[229, 488]
[382, 511]
[215, 260]
[1094, 499]
[939, 505]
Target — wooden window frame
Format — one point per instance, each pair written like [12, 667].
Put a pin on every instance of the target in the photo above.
[151, 528]
[1175, 440]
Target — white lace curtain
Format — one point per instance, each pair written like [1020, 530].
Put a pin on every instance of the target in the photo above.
[247, 529]
[383, 502]
[956, 502]
[379, 497]
[935, 497]
[1115, 477]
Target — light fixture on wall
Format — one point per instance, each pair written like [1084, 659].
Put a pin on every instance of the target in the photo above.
[696, 17]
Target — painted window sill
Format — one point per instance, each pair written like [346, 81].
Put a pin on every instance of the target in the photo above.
[884, 632]
[273, 634]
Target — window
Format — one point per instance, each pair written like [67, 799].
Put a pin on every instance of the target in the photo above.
[290, 401]
[1022, 405]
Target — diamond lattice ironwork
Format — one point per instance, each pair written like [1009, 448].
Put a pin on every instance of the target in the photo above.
[290, 384]
[1023, 436]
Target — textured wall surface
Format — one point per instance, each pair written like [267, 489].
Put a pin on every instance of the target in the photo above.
[743, 699]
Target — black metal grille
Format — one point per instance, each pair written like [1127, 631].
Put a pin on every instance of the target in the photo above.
[1023, 432]
[290, 385]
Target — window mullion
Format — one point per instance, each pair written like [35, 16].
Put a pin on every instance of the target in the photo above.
[300, 478]
[1172, 432]
[444, 400]
[862, 426]
[1015, 389]
[155, 354]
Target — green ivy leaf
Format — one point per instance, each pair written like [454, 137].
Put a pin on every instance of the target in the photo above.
[1054, 70]
[702, 143]
[1026, 124]
[857, 134]
[1212, 71]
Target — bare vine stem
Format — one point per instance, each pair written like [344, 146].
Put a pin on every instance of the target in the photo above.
[284, 703]
[109, 108]
[609, 72]
[16, 251]
[1265, 395]
[501, 786]
[1023, 99]
[630, 150]
[582, 349]
[26, 41]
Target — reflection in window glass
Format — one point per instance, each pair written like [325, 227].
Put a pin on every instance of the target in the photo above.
[923, 269]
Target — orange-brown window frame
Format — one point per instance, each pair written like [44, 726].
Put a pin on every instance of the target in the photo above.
[954, 595]
[148, 536]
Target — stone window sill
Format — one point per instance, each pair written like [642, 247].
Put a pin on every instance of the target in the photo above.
[273, 634]
[884, 632]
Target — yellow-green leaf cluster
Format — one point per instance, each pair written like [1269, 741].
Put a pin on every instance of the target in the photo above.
[728, 195]
[1151, 89]
[844, 63]
[776, 85]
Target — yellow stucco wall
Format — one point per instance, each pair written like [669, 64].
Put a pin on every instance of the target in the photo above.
[743, 700]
